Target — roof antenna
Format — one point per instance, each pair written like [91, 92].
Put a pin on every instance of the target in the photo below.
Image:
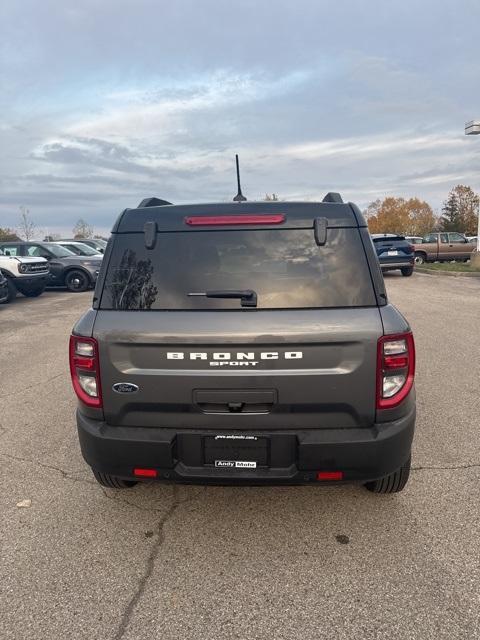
[239, 197]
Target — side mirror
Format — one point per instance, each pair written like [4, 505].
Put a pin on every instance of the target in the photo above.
[47, 256]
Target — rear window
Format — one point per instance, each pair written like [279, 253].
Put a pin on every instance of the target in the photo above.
[379, 239]
[285, 267]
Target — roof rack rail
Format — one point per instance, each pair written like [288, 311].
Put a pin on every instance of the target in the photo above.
[152, 202]
[332, 196]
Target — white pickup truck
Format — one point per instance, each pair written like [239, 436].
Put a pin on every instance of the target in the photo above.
[24, 275]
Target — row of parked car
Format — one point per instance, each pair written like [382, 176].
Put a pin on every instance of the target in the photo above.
[29, 267]
[403, 252]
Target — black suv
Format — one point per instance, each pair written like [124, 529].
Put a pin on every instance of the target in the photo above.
[77, 273]
[244, 343]
[394, 252]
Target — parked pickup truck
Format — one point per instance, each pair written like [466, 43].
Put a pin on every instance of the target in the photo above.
[443, 247]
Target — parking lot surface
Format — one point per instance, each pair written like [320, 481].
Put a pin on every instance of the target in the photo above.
[190, 562]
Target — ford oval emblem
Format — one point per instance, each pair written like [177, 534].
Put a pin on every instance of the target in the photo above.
[125, 387]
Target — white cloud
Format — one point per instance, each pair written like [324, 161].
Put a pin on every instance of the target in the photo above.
[96, 118]
[154, 111]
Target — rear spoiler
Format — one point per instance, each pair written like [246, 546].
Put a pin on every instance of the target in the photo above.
[152, 202]
[334, 197]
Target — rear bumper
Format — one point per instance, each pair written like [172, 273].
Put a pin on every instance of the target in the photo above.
[398, 264]
[295, 456]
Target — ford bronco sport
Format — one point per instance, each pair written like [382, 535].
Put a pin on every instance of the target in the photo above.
[24, 275]
[249, 342]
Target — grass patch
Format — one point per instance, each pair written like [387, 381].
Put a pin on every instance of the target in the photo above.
[449, 266]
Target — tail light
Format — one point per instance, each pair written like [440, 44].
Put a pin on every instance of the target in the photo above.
[395, 369]
[85, 370]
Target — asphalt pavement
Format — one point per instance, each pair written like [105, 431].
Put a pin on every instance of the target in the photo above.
[189, 562]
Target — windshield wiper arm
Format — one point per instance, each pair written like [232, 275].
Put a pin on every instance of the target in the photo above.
[248, 297]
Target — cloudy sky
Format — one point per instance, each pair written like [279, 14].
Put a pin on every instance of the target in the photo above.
[105, 103]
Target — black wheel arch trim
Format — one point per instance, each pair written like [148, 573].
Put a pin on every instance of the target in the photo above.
[9, 274]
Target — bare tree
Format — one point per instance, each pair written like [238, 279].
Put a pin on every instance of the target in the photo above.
[82, 230]
[27, 228]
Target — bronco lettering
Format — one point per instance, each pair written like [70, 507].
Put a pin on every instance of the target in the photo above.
[226, 356]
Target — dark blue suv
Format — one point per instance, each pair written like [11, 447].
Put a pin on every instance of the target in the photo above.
[394, 252]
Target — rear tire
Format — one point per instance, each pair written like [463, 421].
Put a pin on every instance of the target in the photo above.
[393, 483]
[77, 281]
[407, 271]
[420, 257]
[112, 482]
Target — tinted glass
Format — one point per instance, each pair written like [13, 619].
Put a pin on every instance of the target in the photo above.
[444, 238]
[71, 248]
[37, 251]
[11, 250]
[59, 252]
[377, 239]
[456, 237]
[80, 249]
[432, 237]
[285, 268]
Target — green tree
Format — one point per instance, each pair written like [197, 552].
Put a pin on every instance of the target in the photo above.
[460, 210]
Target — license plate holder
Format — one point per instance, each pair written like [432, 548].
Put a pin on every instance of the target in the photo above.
[392, 253]
[236, 451]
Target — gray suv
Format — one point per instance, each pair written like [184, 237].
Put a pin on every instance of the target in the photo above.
[247, 343]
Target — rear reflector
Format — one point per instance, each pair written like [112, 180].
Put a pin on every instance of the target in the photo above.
[205, 221]
[145, 473]
[329, 475]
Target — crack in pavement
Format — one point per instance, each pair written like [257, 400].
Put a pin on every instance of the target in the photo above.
[32, 386]
[446, 468]
[119, 498]
[115, 498]
[43, 465]
[154, 552]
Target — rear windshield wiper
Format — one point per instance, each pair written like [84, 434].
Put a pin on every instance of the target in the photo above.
[248, 298]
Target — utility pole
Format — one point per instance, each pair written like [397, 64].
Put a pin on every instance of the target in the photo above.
[472, 128]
